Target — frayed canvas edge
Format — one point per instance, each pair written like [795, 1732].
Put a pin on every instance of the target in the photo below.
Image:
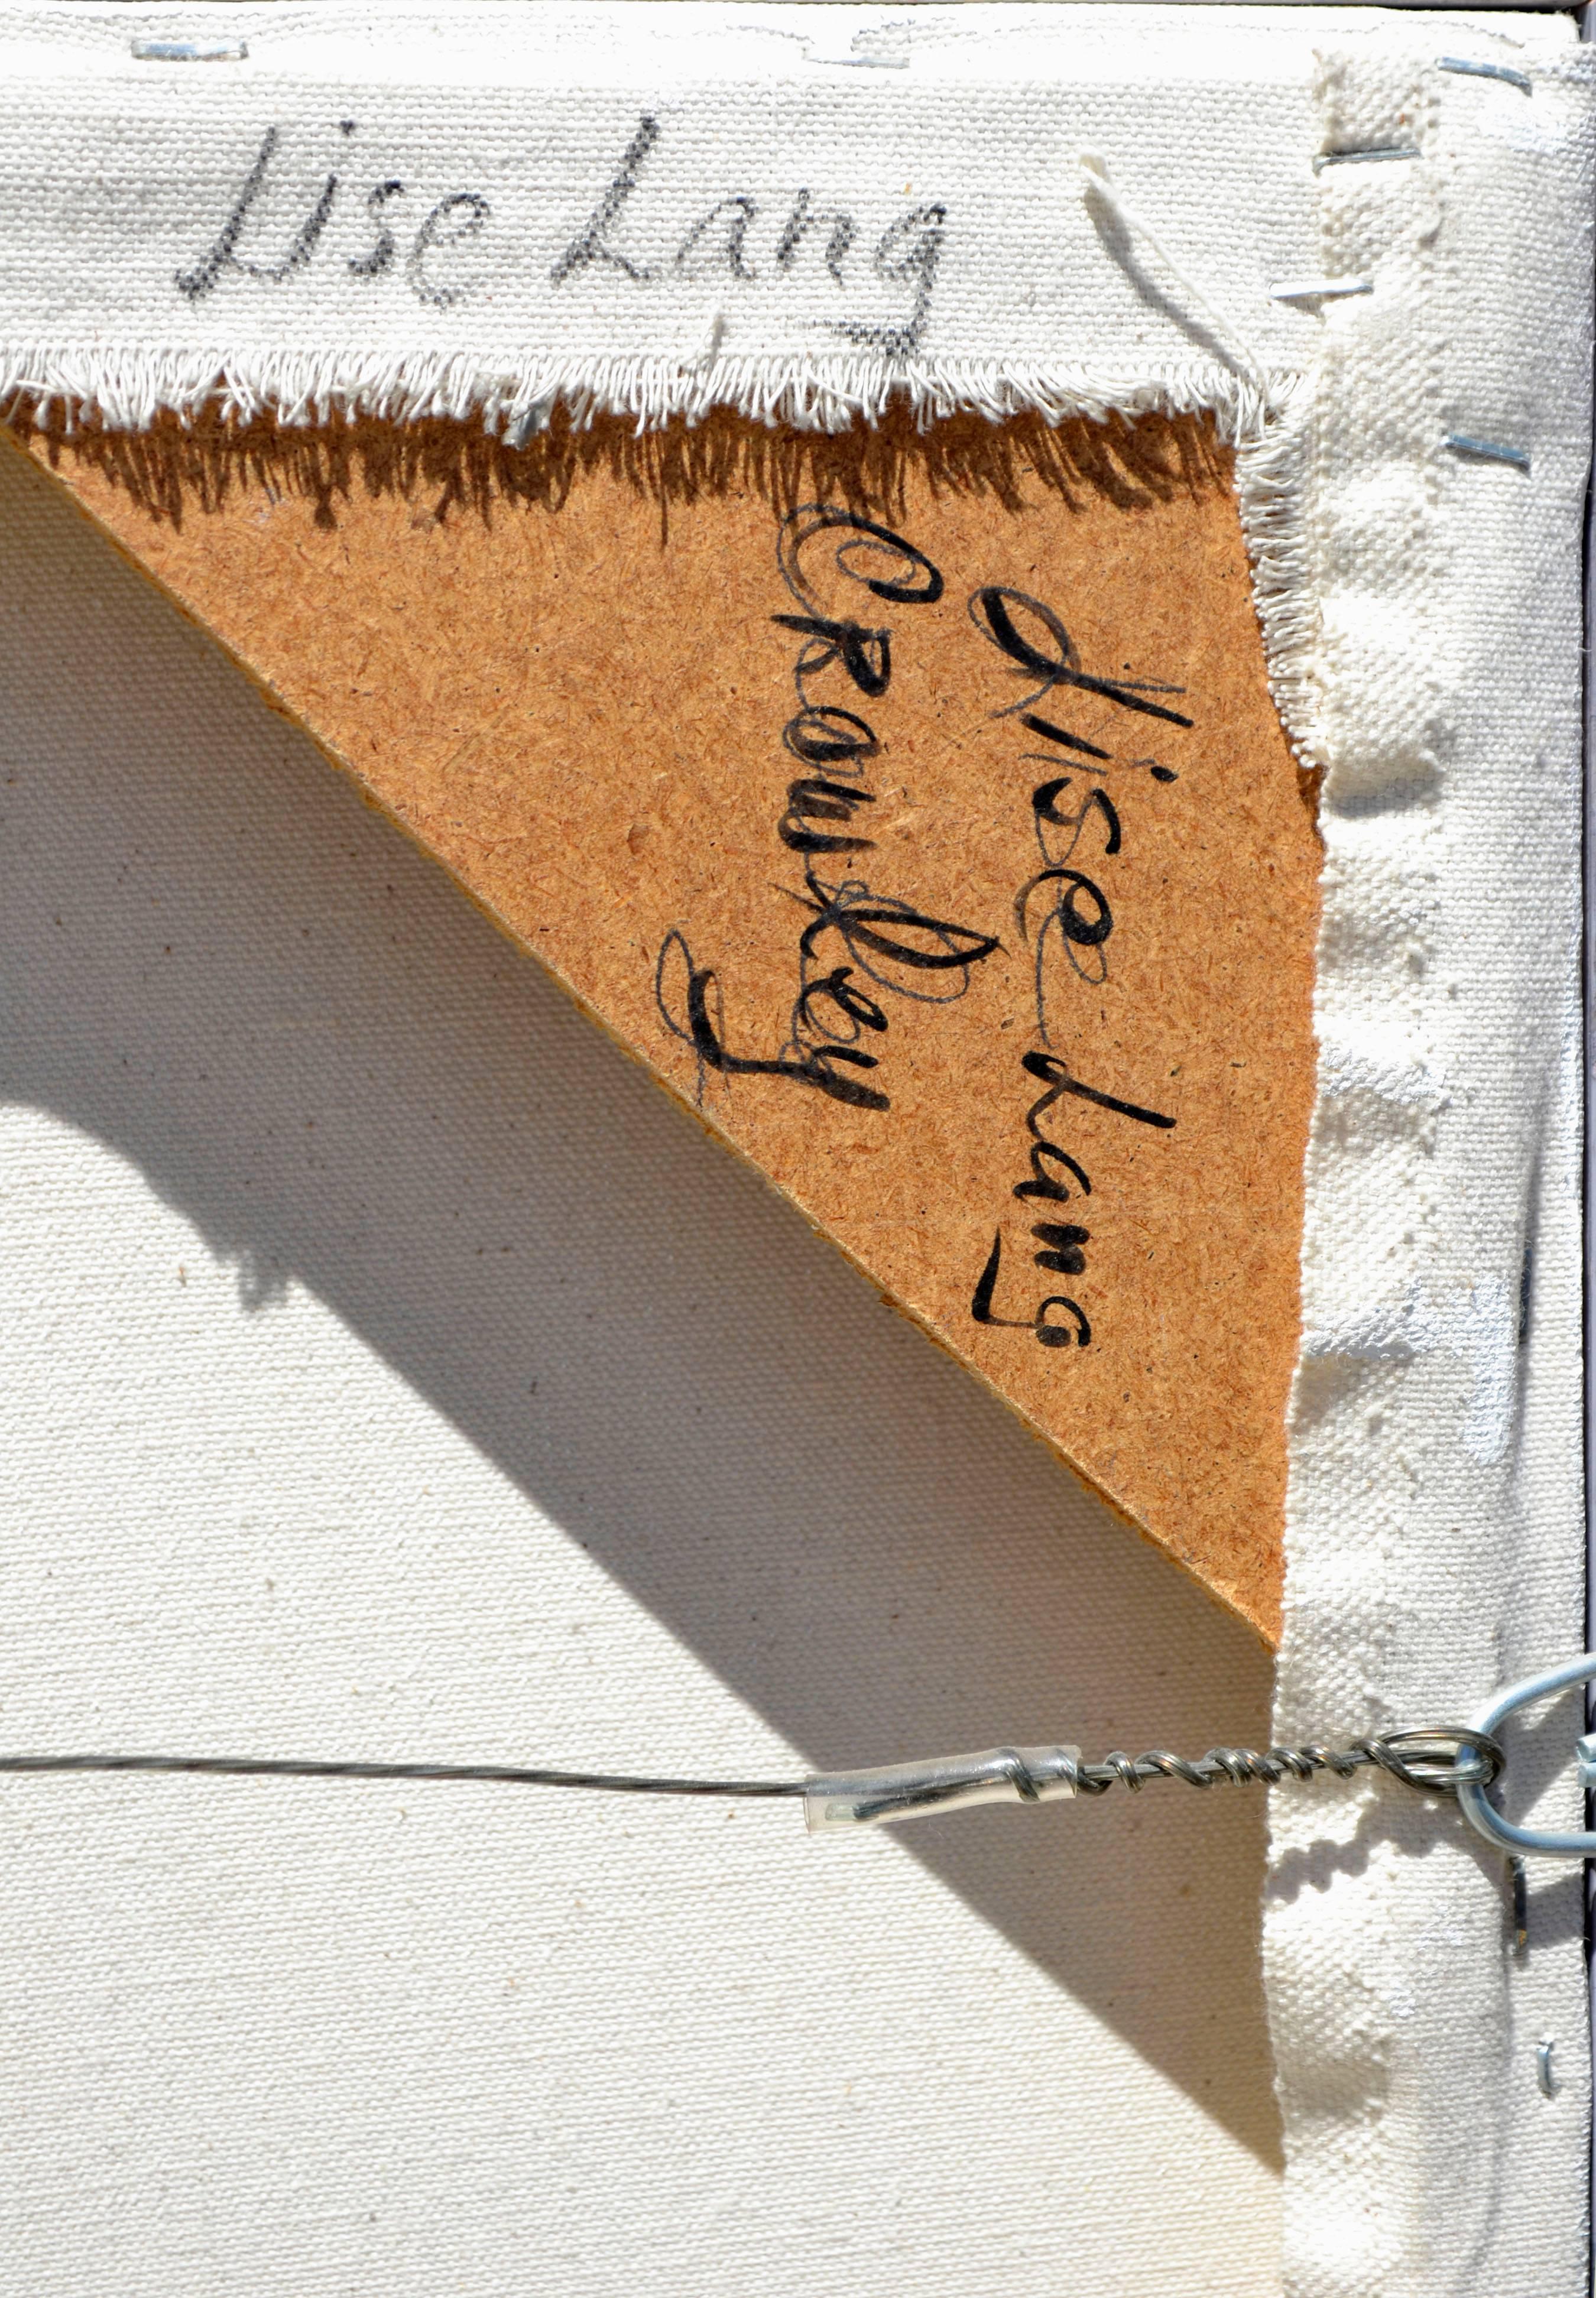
[1265, 419]
[1273, 470]
[126, 389]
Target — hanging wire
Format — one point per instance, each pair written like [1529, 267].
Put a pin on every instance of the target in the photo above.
[288, 1767]
[1436, 1763]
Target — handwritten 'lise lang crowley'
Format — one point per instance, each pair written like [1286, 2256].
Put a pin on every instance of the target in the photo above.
[860, 948]
[443, 247]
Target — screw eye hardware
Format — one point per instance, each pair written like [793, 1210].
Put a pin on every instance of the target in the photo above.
[1474, 1800]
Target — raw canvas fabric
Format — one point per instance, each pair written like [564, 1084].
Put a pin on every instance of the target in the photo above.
[386, 1368]
[804, 213]
[1434, 1503]
[650, 210]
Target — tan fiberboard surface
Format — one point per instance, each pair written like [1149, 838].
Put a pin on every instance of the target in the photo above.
[973, 901]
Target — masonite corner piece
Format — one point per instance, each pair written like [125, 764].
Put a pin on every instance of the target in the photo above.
[912, 806]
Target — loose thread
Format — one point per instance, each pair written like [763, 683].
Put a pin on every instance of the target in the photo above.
[1100, 186]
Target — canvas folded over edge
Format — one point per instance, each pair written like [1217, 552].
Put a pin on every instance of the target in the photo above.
[808, 212]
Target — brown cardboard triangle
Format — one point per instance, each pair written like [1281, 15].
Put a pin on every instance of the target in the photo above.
[912, 805]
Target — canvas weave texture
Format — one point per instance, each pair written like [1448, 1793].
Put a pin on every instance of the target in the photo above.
[387, 1370]
[651, 209]
[810, 212]
[1434, 1509]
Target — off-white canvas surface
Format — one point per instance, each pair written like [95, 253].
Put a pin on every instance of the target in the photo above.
[386, 1367]
[1435, 1531]
[653, 208]
[596, 202]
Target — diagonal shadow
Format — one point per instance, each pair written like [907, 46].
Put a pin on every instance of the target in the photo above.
[240, 980]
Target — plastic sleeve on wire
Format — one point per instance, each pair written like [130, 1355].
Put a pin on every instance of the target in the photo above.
[896, 1791]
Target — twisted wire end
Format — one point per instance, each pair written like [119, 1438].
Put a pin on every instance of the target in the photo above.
[1435, 1762]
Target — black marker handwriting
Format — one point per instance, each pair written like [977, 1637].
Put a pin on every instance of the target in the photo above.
[1056, 734]
[866, 655]
[886, 938]
[733, 216]
[1077, 1332]
[804, 219]
[224, 254]
[1126, 696]
[591, 245]
[1057, 1075]
[823, 735]
[1063, 1242]
[890, 944]
[917, 582]
[812, 798]
[1078, 918]
[704, 1033]
[1083, 932]
[460, 216]
[910, 249]
[629, 231]
[367, 267]
[1077, 915]
[992, 610]
[856, 940]
[865, 554]
[1044, 807]
[1049, 1188]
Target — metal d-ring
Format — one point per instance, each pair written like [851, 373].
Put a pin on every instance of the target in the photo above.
[1527, 1842]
